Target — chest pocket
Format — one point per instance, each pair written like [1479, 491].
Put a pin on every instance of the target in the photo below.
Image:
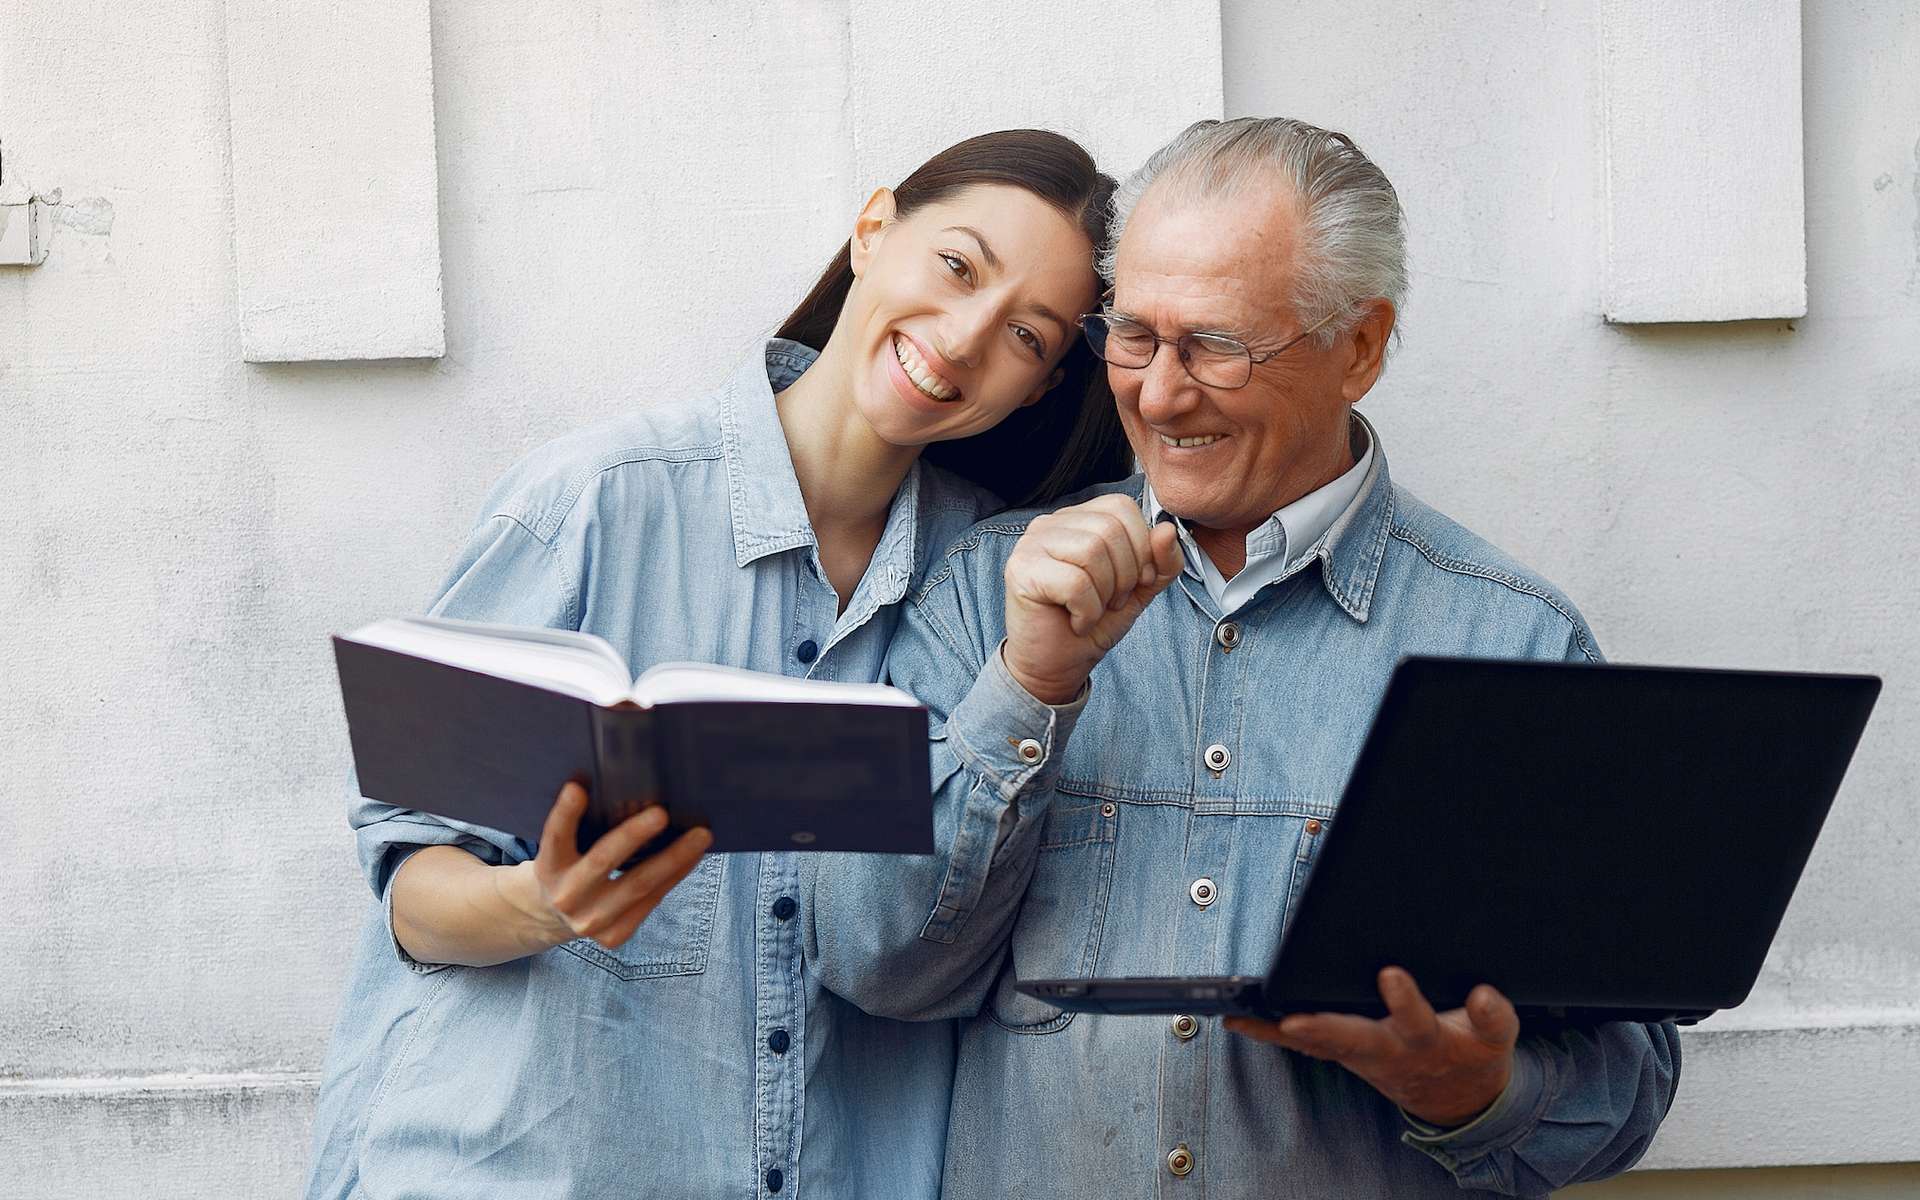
[675, 937]
[1313, 832]
[1057, 935]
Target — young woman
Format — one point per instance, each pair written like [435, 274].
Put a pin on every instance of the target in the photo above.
[520, 1023]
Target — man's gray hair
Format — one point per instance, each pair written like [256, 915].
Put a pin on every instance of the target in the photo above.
[1354, 234]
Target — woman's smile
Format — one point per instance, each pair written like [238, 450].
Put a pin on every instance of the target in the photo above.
[917, 382]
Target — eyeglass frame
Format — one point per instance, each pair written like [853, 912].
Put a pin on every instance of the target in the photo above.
[1106, 317]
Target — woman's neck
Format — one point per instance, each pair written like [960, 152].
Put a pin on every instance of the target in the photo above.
[847, 474]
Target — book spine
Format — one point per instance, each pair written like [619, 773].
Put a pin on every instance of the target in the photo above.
[624, 776]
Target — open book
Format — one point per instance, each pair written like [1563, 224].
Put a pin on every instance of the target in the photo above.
[484, 723]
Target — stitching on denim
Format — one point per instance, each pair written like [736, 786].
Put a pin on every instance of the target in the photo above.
[552, 516]
[1467, 567]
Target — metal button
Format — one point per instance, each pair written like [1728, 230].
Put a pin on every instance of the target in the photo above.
[807, 651]
[1180, 1160]
[779, 1041]
[1227, 634]
[1184, 1027]
[1108, 809]
[1218, 758]
[1203, 891]
[784, 908]
[1030, 751]
[1313, 825]
[775, 1180]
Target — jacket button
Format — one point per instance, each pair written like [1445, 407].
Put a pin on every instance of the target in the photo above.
[784, 908]
[1228, 635]
[1218, 758]
[1203, 891]
[1030, 751]
[779, 1041]
[1184, 1027]
[807, 651]
[775, 1180]
[1180, 1160]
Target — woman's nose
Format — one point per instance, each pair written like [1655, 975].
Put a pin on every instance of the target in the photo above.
[967, 330]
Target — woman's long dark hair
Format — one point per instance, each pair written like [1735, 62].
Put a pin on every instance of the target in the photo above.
[1072, 438]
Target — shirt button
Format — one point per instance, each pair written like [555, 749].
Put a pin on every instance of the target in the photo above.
[775, 1180]
[1203, 891]
[1180, 1160]
[1184, 1027]
[1218, 758]
[1030, 751]
[778, 1041]
[807, 651]
[784, 908]
[1228, 635]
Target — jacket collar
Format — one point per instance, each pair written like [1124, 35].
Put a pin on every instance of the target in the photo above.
[768, 513]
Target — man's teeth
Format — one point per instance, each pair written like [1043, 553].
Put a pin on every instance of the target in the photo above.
[1209, 440]
[921, 374]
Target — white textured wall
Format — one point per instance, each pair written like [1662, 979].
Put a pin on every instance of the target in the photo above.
[630, 190]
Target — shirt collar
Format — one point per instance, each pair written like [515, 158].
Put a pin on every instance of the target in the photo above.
[1336, 523]
[769, 514]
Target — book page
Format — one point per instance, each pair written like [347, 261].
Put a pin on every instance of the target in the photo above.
[560, 660]
[671, 683]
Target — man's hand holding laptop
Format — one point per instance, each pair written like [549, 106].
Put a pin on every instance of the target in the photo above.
[1442, 1068]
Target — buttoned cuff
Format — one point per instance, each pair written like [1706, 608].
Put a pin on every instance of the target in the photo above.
[1512, 1114]
[1004, 734]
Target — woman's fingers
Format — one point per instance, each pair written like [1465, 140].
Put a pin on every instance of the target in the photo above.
[559, 836]
[630, 899]
[587, 878]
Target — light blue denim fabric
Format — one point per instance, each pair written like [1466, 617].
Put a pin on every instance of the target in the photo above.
[1077, 860]
[702, 1056]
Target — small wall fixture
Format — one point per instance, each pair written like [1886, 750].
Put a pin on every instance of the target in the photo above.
[23, 229]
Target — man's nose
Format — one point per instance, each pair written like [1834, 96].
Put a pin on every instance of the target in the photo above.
[1166, 390]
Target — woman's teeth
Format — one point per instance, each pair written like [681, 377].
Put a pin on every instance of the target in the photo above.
[921, 374]
[1209, 440]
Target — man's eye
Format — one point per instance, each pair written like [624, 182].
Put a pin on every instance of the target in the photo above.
[956, 264]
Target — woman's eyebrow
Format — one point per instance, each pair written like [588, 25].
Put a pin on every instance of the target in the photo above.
[986, 251]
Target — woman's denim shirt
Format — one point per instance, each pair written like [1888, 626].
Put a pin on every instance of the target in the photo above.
[1211, 746]
[701, 1058]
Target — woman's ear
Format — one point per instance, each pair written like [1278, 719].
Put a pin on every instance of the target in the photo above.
[874, 216]
[1048, 384]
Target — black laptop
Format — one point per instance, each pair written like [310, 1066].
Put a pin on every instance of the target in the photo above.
[1601, 843]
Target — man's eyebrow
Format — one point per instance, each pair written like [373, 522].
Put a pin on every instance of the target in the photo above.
[986, 251]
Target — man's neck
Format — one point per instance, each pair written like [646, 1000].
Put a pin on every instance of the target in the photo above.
[1226, 545]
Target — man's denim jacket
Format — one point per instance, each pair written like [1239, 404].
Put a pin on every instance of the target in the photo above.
[1065, 857]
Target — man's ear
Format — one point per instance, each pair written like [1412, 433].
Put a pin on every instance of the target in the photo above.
[1046, 385]
[875, 215]
[1368, 343]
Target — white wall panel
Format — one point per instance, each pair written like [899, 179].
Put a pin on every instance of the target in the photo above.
[1122, 79]
[335, 202]
[1705, 220]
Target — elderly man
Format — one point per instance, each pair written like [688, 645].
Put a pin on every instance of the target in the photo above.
[1145, 708]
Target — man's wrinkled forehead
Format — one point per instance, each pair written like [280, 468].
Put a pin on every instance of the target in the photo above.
[1232, 251]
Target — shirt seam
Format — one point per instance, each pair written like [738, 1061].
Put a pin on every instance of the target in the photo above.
[1467, 567]
[546, 520]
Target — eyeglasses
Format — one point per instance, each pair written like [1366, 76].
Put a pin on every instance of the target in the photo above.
[1212, 359]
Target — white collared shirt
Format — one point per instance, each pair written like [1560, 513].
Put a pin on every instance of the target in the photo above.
[1280, 542]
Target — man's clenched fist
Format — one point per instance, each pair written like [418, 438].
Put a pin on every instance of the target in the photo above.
[1075, 583]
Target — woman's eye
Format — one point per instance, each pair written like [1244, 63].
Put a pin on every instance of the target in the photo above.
[1032, 341]
[956, 264]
